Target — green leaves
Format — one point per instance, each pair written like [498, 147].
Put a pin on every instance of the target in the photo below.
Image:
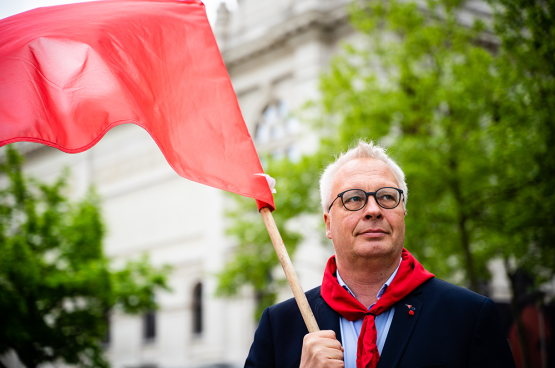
[254, 257]
[56, 285]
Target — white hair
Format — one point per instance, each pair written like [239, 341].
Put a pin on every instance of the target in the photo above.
[362, 150]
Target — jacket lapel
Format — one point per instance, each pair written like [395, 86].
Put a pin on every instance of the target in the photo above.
[400, 331]
[327, 318]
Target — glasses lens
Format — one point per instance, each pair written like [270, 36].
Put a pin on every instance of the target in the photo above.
[388, 197]
[354, 200]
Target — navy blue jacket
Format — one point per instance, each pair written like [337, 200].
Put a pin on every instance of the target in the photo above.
[451, 327]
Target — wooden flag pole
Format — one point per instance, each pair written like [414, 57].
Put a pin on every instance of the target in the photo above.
[290, 273]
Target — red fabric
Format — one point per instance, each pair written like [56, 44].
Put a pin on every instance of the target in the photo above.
[410, 275]
[70, 73]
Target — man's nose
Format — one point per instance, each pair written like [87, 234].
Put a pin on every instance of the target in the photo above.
[372, 210]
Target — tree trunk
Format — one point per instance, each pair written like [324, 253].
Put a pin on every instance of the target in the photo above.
[464, 237]
[471, 272]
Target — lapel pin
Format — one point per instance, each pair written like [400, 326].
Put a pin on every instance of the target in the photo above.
[411, 309]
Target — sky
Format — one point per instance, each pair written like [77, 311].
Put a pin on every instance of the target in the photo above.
[11, 7]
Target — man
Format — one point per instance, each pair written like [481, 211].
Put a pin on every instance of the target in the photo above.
[377, 306]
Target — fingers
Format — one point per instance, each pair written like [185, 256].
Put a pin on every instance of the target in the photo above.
[322, 349]
[324, 339]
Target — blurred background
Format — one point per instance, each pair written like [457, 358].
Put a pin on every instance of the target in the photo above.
[150, 270]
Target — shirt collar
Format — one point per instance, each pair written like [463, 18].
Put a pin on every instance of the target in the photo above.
[382, 289]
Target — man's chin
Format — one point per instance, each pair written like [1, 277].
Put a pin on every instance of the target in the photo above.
[376, 250]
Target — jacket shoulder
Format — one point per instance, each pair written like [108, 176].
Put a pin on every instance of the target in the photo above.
[439, 291]
[290, 305]
[470, 320]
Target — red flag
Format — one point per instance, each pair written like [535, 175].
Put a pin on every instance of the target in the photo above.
[70, 73]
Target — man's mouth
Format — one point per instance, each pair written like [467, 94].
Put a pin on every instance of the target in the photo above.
[373, 233]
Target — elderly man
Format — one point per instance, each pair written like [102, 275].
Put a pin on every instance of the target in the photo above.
[377, 306]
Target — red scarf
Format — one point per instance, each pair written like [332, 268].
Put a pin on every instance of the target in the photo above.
[410, 275]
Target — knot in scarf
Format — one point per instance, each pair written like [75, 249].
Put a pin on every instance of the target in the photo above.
[410, 275]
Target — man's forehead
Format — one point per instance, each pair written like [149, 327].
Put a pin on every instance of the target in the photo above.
[364, 169]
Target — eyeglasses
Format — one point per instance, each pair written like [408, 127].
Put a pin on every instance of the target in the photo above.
[356, 199]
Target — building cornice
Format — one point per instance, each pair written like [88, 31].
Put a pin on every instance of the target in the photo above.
[321, 20]
[326, 21]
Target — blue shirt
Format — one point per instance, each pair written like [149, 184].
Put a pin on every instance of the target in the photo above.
[350, 330]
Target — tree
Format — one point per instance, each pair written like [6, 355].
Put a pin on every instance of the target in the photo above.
[57, 287]
[525, 158]
[526, 108]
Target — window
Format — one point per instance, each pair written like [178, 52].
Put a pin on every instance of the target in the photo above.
[276, 132]
[197, 309]
[149, 326]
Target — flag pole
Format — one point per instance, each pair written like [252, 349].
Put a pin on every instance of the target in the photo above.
[290, 273]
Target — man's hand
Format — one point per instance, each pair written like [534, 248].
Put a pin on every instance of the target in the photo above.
[322, 349]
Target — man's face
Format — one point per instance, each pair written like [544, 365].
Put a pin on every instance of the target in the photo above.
[372, 231]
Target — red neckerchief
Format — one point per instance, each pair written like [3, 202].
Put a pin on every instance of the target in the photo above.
[410, 275]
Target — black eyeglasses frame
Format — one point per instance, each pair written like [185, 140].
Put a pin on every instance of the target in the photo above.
[340, 195]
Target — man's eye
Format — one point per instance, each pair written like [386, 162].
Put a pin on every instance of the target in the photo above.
[354, 199]
[387, 197]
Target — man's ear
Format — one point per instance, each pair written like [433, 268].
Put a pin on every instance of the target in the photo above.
[327, 220]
